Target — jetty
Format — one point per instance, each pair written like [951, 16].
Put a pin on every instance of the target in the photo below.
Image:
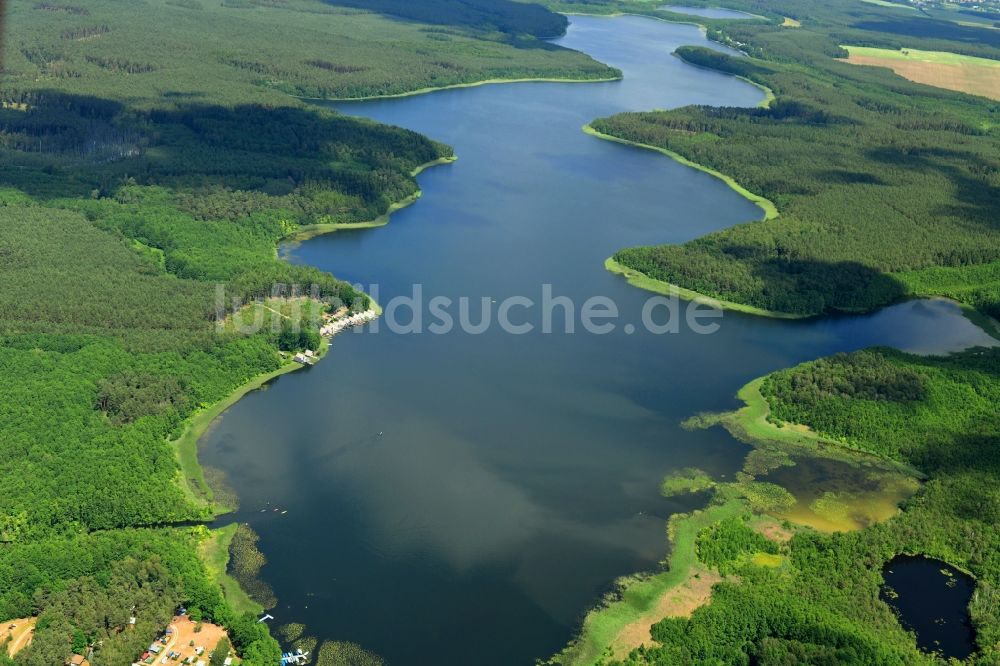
[297, 657]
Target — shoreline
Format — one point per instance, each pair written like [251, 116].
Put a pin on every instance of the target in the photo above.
[750, 424]
[543, 79]
[192, 475]
[649, 588]
[192, 479]
[769, 95]
[307, 231]
[214, 552]
[639, 594]
[643, 281]
[700, 26]
[981, 319]
[765, 204]
[456, 86]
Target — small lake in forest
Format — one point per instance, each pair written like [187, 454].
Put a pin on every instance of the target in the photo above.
[932, 600]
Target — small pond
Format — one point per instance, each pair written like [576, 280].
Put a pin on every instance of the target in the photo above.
[931, 599]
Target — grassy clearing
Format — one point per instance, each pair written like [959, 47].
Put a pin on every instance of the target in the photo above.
[214, 552]
[19, 637]
[768, 560]
[640, 596]
[941, 69]
[642, 281]
[789, 22]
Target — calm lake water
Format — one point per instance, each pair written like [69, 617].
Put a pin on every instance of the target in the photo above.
[932, 599]
[459, 498]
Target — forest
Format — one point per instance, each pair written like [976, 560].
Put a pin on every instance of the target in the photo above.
[136, 185]
[885, 188]
[260, 52]
[818, 601]
[509, 17]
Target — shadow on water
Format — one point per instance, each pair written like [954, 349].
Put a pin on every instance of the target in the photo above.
[931, 599]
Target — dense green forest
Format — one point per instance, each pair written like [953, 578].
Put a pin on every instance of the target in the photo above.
[818, 602]
[85, 587]
[511, 18]
[885, 188]
[257, 51]
[150, 154]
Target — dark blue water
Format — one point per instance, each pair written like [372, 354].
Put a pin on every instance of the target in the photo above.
[932, 600]
[457, 499]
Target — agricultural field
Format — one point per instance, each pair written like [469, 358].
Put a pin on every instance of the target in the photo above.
[952, 71]
[886, 3]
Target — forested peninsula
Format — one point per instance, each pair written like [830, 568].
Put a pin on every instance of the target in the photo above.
[152, 153]
[884, 189]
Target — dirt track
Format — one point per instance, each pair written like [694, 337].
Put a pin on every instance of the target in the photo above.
[20, 636]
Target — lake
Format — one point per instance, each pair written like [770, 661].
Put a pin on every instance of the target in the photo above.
[465, 498]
